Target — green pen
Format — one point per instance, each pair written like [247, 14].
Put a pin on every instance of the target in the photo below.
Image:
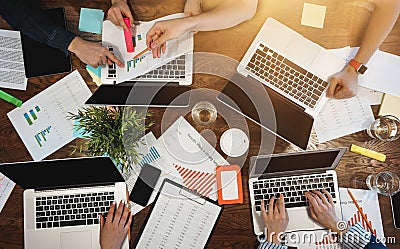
[10, 99]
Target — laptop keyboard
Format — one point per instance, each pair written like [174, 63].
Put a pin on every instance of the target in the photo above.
[286, 77]
[174, 69]
[293, 189]
[72, 210]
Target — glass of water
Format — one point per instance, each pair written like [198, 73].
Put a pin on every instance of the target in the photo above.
[385, 128]
[386, 183]
[204, 113]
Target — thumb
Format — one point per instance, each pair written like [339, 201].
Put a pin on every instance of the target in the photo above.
[160, 41]
[331, 88]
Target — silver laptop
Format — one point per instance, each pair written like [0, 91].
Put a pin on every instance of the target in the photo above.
[291, 65]
[178, 70]
[292, 174]
[63, 200]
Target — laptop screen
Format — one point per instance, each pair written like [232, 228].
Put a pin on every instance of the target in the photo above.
[64, 173]
[295, 162]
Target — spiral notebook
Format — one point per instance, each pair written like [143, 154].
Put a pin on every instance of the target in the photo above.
[180, 218]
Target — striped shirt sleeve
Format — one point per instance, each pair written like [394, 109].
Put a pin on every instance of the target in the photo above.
[356, 237]
[269, 245]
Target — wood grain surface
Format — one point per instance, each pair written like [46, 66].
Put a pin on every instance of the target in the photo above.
[345, 23]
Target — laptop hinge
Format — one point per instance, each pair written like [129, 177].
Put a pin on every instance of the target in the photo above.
[72, 187]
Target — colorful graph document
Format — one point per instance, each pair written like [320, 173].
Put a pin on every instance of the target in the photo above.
[368, 201]
[12, 69]
[179, 219]
[340, 117]
[42, 121]
[189, 159]
[114, 36]
[6, 187]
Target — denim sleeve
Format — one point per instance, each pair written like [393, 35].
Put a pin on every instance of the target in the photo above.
[269, 245]
[26, 16]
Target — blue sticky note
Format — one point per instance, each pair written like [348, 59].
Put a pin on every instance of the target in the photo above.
[96, 71]
[91, 20]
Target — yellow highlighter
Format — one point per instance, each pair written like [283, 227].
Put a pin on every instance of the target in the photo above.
[369, 153]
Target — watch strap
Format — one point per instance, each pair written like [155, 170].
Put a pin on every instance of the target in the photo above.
[359, 67]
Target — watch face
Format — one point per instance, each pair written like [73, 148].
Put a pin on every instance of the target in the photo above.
[362, 69]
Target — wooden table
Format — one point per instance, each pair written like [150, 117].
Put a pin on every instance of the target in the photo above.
[344, 25]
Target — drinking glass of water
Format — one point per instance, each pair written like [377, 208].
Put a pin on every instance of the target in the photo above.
[204, 113]
[386, 183]
[385, 128]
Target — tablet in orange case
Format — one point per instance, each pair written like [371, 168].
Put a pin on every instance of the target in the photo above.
[229, 184]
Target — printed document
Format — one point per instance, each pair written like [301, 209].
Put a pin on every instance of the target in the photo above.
[42, 122]
[6, 187]
[340, 117]
[114, 36]
[12, 69]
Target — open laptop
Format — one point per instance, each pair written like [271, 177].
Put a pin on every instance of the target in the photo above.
[292, 174]
[290, 65]
[63, 200]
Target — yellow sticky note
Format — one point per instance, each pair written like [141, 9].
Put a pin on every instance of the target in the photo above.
[369, 153]
[313, 15]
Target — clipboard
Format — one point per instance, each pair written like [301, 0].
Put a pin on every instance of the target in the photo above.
[175, 221]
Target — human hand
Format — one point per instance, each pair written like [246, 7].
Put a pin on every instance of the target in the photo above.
[193, 8]
[92, 53]
[322, 209]
[113, 230]
[163, 31]
[343, 84]
[118, 11]
[276, 219]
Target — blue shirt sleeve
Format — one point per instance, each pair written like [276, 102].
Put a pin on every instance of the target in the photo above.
[27, 17]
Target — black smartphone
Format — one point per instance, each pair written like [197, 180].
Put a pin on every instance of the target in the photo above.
[395, 200]
[144, 185]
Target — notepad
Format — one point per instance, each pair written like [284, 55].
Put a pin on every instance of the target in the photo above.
[313, 15]
[390, 106]
[91, 20]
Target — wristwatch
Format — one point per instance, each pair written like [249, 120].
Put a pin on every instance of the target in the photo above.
[360, 68]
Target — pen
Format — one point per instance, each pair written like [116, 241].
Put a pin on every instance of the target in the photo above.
[10, 99]
[360, 210]
[141, 53]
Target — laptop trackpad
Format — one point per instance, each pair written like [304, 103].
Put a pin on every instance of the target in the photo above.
[300, 220]
[76, 240]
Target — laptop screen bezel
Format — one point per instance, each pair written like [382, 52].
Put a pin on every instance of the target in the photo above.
[254, 172]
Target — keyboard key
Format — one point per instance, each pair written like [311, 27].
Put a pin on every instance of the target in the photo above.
[73, 223]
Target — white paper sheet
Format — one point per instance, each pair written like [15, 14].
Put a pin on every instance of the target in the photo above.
[113, 36]
[373, 97]
[42, 121]
[179, 219]
[383, 72]
[368, 201]
[6, 187]
[12, 69]
[342, 117]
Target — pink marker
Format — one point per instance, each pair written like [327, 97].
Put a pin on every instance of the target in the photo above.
[128, 36]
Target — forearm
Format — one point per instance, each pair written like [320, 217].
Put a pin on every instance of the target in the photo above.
[380, 24]
[227, 14]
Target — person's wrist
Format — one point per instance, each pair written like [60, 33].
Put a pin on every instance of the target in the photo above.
[118, 1]
[273, 237]
[74, 44]
[351, 69]
[191, 24]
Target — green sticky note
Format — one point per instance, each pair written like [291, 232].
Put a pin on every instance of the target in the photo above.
[91, 20]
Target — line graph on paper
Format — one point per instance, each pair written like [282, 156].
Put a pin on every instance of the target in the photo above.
[203, 182]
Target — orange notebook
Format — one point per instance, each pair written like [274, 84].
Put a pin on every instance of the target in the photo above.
[229, 184]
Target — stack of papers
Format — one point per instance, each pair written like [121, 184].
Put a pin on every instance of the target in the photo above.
[42, 122]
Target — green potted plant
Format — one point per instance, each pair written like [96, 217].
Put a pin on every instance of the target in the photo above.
[111, 131]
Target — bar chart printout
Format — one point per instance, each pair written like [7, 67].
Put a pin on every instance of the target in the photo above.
[41, 136]
[31, 115]
[132, 63]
